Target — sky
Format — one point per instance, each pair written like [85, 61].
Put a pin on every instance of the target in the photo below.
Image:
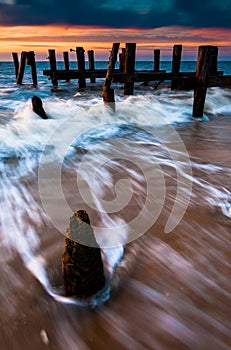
[40, 25]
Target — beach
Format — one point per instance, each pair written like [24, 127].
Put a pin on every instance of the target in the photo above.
[168, 271]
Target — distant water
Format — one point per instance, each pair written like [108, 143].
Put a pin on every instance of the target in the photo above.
[146, 171]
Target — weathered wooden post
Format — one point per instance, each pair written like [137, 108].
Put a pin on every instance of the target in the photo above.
[214, 60]
[176, 59]
[82, 265]
[21, 67]
[66, 62]
[31, 62]
[16, 63]
[122, 60]
[81, 66]
[156, 60]
[130, 57]
[52, 60]
[37, 106]
[108, 93]
[91, 63]
[205, 67]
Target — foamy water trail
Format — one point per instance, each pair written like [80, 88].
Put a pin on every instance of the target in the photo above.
[27, 132]
[24, 139]
[20, 216]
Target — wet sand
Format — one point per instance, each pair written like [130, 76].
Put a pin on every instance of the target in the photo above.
[177, 294]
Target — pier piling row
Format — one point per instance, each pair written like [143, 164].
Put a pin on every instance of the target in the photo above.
[19, 68]
[206, 74]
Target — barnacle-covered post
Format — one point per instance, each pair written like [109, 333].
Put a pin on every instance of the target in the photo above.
[82, 265]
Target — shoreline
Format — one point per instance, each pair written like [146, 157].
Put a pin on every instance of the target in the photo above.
[183, 276]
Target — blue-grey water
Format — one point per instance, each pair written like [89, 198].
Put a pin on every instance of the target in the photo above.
[156, 185]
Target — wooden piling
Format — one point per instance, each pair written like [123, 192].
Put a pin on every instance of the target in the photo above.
[31, 60]
[176, 59]
[21, 67]
[156, 60]
[122, 60]
[130, 56]
[82, 265]
[66, 62]
[91, 63]
[81, 66]
[52, 60]
[108, 93]
[214, 61]
[205, 67]
[16, 63]
[37, 106]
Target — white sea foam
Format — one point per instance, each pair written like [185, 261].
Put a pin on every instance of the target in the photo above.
[26, 136]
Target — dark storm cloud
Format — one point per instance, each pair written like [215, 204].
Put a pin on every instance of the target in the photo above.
[117, 13]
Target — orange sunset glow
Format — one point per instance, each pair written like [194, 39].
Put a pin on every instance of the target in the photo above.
[62, 38]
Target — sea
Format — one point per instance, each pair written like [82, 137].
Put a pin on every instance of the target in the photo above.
[156, 184]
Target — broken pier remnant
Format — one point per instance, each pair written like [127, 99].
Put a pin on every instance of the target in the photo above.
[129, 68]
[52, 60]
[37, 107]
[82, 265]
[108, 93]
[206, 66]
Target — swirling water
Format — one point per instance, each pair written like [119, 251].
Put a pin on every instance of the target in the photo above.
[156, 184]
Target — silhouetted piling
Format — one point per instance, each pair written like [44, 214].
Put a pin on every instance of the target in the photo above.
[37, 107]
[214, 60]
[21, 67]
[205, 67]
[156, 60]
[122, 60]
[206, 75]
[176, 60]
[52, 60]
[66, 62]
[82, 265]
[91, 63]
[31, 62]
[108, 93]
[81, 66]
[130, 57]
[16, 63]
